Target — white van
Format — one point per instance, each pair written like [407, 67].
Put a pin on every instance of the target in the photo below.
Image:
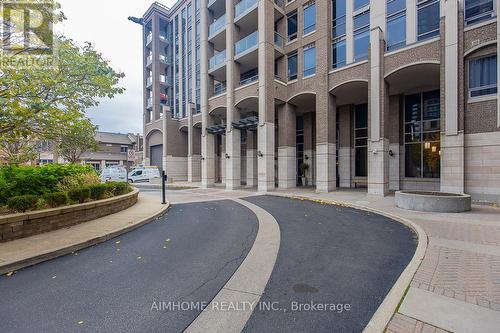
[143, 174]
[114, 173]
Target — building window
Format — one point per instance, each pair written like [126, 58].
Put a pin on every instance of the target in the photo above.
[339, 53]
[309, 18]
[360, 4]
[291, 24]
[339, 33]
[309, 60]
[422, 135]
[478, 10]
[396, 24]
[361, 35]
[483, 76]
[292, 66]
[123, 149]
[428, 19]
[361, 140]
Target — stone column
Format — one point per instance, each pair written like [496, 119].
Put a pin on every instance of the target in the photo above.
[266, 128]
[498, 62]
[207, 140]
[378, 144]
[233, 135]
[326, 113]
[251, 159]
[326, 106]
[345, 147]
[452, 138]
[191, 168]
[287, 147]
[309, 149]
[166, 114]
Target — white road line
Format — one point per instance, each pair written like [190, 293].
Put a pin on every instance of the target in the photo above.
[247, 284]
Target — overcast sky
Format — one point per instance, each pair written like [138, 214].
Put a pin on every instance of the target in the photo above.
[105, 24]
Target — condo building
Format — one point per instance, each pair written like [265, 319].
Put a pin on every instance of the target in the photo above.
[384, 94]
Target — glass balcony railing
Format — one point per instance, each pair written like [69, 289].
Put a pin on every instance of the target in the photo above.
[246, 43]
[249, 80]
[165, 80]
[279, 41]
[149, 38]
[165, 59]
[149, 60]
[149, 81]
[163, 38]
[211, 2]
[150, 102]
[242, 6]
[217, 25]
[219, 88]
[217, 59]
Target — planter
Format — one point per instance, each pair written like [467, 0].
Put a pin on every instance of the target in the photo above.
[437, 202]
[22, 225]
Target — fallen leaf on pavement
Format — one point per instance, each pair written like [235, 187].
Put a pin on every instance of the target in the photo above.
[9, 273]
[118, 242]
[80, 322]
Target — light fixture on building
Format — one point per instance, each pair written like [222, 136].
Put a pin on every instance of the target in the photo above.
[391, 153]
[227, 156]
[202, 158]
[259, 153]
[306, 157]
[427, 145]
[434, 149]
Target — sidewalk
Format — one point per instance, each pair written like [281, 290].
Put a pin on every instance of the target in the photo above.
[28, 251]
[457, 286]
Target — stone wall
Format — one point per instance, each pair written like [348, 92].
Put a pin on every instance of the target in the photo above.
[21, 225]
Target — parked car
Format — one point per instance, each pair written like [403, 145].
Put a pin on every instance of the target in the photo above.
[143, 174]
[114, 174]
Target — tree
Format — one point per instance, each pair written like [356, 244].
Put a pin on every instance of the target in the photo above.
[77, 139]
[15, 151]
[39, 101]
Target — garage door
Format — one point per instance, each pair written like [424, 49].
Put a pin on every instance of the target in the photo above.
[156, 156]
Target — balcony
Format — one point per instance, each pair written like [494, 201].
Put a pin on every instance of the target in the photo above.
[149, 39]
[149, 103]
[149, 60]
[166, 60]
[217, 26]
[219, 89]
[247, 44]
[249, 80]
[243, 7]
[164, 80]
[149, 81]
[164, 38]
[280, 3]
[279, 41]
[217, 60]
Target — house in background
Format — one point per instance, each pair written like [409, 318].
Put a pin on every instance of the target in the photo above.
[115, 149]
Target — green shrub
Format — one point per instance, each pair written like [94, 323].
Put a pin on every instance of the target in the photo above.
[22, 203]
[55, 199]
[80, 180]
[79, 195]
[97, 192]
[21, 180]
[118, 188]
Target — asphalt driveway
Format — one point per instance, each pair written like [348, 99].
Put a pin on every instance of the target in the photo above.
[335, 266]
[126, 284]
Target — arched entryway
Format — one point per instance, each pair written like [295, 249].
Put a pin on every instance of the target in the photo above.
[352, 133]
[414, 126]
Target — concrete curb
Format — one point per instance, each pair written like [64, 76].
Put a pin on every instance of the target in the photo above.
[6, 267]
[248, 282]
[386, 310]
